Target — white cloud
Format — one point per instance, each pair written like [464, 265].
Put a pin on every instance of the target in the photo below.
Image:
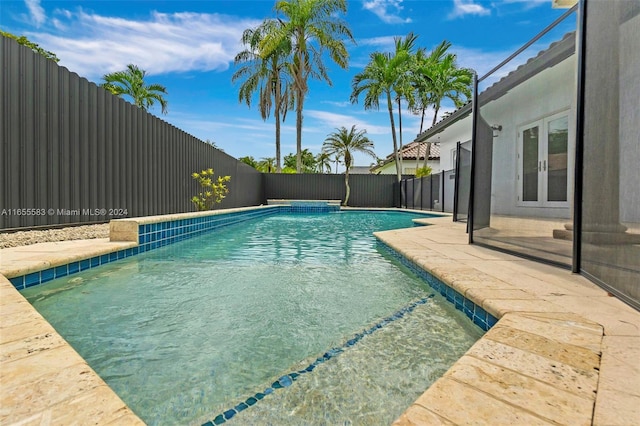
[340, 104]
[332, 121]
[468, 7]
[387, 10]
[163, 43]
[36, 11]
[479, 60]
[387, 42]
[529, 4]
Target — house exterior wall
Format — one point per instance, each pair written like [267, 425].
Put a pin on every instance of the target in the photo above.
[460, 131]
[512, 111]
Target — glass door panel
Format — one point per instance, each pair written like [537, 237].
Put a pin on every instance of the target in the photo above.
[530, 144]
[557, 159]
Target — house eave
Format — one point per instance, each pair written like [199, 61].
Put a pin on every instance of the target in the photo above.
[556, 53]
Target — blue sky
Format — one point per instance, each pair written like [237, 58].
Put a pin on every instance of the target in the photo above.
[189, 46]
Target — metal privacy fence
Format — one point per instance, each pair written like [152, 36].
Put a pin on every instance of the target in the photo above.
[366, 190]
[72, 152]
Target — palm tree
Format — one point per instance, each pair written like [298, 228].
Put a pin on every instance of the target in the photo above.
[447, 81]
[267, 74]
[131, 82]
[312, 28]
[338, 160]
[385, 76]
[422, 73]
[403, 86]
[323, 162]
[436, 78]
[267, 165]
[308, 161]
[344, 143]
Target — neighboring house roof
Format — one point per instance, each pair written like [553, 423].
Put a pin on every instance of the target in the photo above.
[557, 52]
[414, 150]
[409, 152]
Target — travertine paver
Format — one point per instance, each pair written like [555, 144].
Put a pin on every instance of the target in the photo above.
[557, 355]
[551, 371]
[460, 403]
[619, 387]
[527, 393]
[42, 379]
[18, 261]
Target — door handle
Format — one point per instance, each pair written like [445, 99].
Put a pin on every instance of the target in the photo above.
[539, 166]
[544, 165]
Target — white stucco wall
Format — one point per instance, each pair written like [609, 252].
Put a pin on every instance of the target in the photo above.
[459, 131]
[549, 92]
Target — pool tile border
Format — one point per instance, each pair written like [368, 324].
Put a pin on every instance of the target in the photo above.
[162, 233]
[473, 311]
[288, 379]
[40, 277]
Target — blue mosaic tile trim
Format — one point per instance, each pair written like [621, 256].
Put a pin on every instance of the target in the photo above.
[49, 274]
[475, 313]
[288, 379]
[155, 235]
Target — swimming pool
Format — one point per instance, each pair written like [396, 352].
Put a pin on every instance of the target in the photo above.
[187, 331]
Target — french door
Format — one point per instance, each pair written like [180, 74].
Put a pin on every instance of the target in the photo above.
[543, 162]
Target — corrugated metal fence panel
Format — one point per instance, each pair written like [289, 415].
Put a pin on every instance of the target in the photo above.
[68, 145]
[372, 190]
[366, 190]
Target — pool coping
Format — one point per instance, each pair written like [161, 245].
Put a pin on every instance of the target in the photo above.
[563, 351]
[520, 357]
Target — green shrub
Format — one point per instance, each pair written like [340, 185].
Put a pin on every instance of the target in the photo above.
[213, 192]
[423, 171]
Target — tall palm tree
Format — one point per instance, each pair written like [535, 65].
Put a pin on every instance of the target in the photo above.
[345, 142]
[422, 77]
[436, 78]
[131, 82]
[323, 162]
[384, 76]
[449, 82]
[313, 28]
[403, 86]
[268, 74]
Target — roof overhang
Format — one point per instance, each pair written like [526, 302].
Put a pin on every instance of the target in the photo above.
[457, 115]
[563, 4]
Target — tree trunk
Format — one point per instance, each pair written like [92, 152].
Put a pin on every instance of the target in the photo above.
[277, 117]
[393, 135]
[299, 134]
[436, 108]
[346, 184]
[427, 154]
[347, 165]
[400, 133]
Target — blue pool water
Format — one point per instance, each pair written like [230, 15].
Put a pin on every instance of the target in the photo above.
[187, 331]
